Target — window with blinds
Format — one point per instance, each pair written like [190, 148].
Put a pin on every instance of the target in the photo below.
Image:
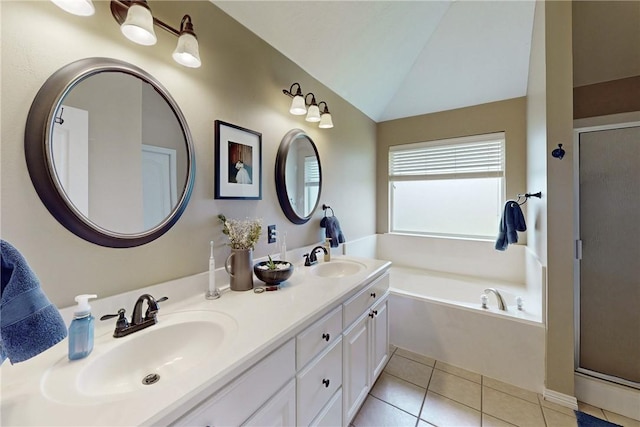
[452, 187]
[311, 183]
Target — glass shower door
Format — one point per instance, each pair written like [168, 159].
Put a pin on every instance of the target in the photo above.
[609, 270]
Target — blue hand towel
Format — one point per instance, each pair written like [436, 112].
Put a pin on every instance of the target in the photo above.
[332, 230]
[512, 221]
[29, 322]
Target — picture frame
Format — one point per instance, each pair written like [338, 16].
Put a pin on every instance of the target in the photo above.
[238, 162]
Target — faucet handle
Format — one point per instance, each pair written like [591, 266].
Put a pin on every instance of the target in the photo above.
[122, 321]
[152, 307]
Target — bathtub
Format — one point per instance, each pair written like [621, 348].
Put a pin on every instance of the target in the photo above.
[440, 315]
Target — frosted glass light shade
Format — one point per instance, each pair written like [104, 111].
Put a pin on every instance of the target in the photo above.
[187, 52]
[297, 106]
[325, 121]
[76, 7]
[138, 27]
[314, 114]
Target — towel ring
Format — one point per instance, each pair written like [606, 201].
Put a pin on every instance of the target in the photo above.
[325, 207]
[526, 197]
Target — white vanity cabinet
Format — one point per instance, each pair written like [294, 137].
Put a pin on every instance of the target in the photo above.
[263, 395]
[366, 344]
[319, 378]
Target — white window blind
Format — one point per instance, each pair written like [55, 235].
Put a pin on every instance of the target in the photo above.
[468, 157]
[311, 170]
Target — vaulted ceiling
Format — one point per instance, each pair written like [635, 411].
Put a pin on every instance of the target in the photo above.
[396, 59]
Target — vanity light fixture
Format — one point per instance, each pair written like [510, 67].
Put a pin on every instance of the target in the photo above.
[138, 26]
[299, 106]
[136, 22]
[313, 114]
[187, 52]
[325, 118]
[76, 7]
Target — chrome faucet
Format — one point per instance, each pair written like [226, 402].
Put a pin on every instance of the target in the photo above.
[501, 305]
[138, 322]
[310, 258]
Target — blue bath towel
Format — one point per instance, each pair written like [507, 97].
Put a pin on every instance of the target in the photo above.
[512, 221]
[29, 322]
[332, 230]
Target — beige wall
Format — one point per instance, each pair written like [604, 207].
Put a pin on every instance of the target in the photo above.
[507, 116]
[560, 209]
[606, 57]
[240, 82]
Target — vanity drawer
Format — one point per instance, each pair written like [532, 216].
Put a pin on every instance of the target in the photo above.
[318, 337]
[318, 383]
[364, 299]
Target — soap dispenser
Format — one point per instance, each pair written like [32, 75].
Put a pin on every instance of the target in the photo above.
[81, 329]
[327, 246]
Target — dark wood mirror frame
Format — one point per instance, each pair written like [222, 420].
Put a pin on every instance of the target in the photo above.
[37, 144]
[280, 175]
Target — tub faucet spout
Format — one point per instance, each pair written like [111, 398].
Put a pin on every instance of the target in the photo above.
[501, 305]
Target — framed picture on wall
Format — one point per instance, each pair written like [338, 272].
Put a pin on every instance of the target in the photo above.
[238, 162]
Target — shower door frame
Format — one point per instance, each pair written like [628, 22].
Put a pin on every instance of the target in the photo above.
[578, 248]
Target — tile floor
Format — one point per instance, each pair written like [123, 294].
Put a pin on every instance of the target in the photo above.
[417, 391]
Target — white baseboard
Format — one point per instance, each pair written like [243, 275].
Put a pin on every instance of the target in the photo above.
[560, 399]
[616, 398]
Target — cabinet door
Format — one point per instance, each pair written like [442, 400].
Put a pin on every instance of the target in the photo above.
[379, 326]
[355, 367]
[279, 411]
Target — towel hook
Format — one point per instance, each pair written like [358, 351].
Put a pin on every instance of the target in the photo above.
[325, 207]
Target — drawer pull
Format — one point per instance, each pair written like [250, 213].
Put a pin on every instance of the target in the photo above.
[373, 313]
[325, 382]
[326, 337]
[373, 294]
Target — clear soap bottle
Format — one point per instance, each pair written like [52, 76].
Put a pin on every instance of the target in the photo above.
[327, 246]
[81, 329]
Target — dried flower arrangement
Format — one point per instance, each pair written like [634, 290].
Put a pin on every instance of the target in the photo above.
[243, 234]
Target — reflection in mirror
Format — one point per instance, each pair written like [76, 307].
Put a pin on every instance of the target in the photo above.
[298, 176]
[119, 144]
[109, 152]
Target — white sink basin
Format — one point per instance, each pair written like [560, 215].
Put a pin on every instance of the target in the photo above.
[337, 268]
[157, 356]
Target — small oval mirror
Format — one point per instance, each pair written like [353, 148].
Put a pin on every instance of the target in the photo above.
[109, 152]
[298, 176]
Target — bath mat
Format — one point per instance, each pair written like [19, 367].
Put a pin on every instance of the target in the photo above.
[586, 420]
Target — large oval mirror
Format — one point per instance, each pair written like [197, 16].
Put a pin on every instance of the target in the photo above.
[298, 176]
[109, 152]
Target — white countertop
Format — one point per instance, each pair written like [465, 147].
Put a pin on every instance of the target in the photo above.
[262, 322]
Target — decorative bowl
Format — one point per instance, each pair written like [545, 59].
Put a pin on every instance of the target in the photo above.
[282, 272]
